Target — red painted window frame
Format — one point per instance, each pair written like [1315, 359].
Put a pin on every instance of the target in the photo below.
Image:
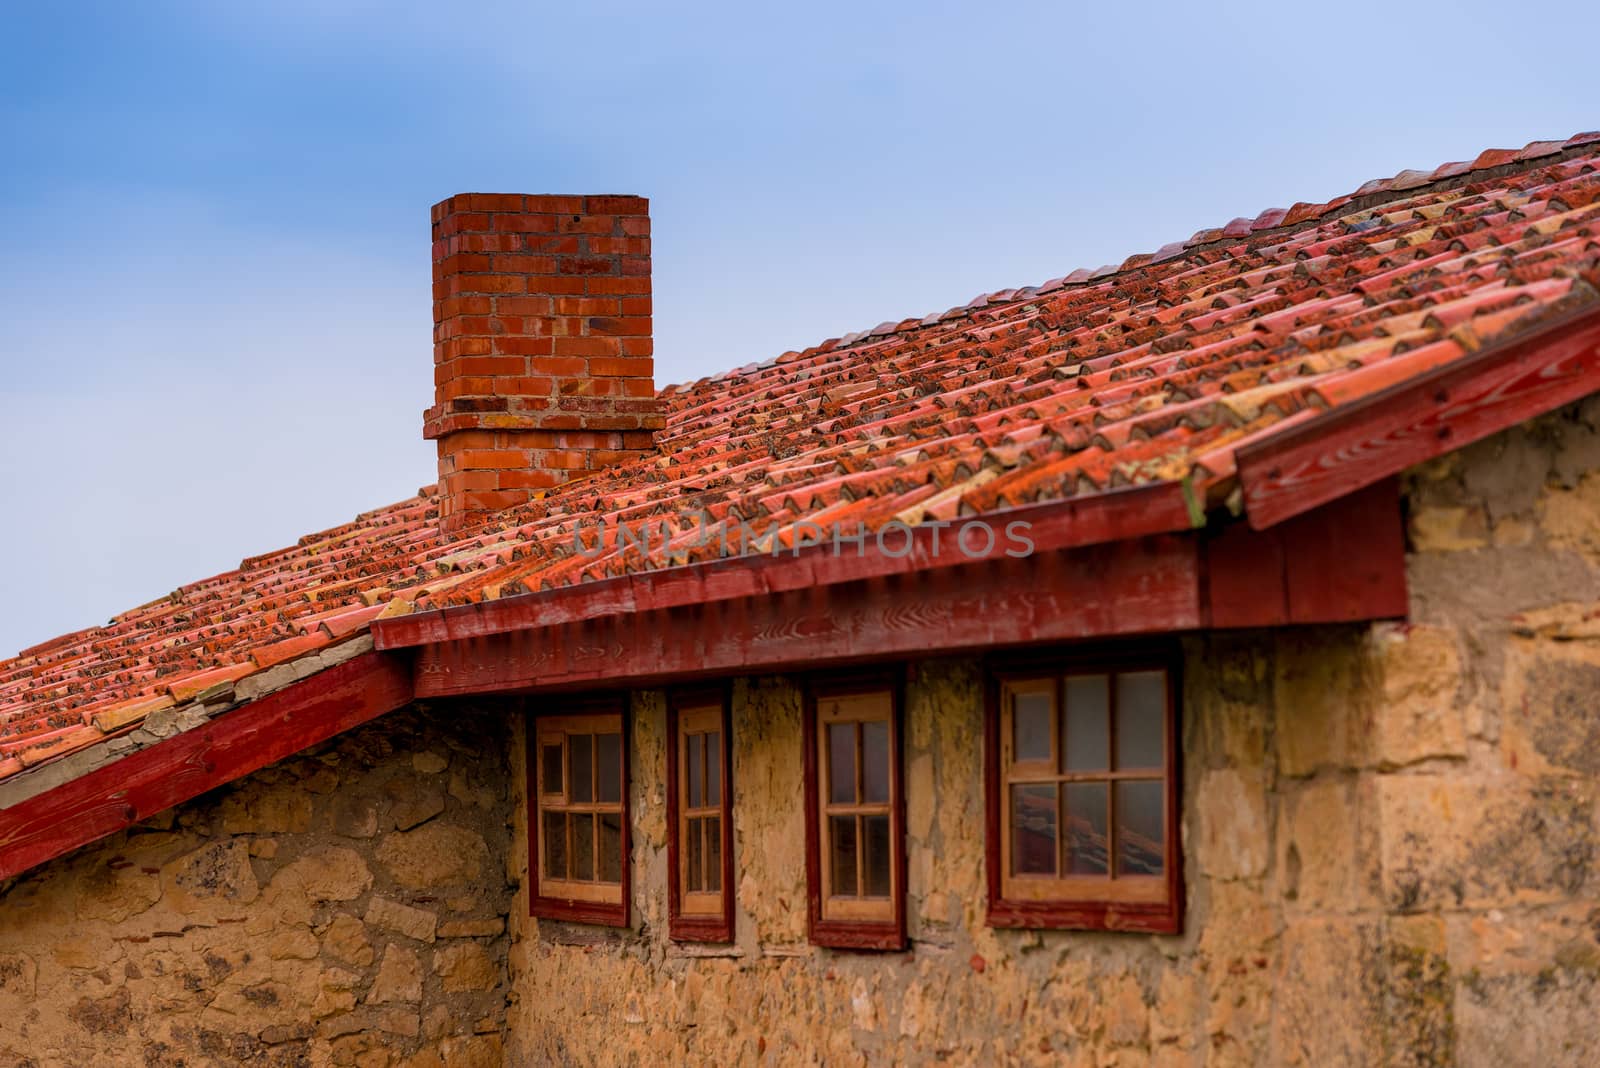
[1085, 915]
[855, 934]
[566, 909]
[691, 928]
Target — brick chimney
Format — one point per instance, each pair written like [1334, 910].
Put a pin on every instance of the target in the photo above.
[543, 368]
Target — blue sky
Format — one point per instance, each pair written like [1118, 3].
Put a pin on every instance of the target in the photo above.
[215, 269]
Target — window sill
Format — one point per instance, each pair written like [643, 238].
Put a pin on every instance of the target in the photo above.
[592, 912]
[1161, 918]
[857, 934]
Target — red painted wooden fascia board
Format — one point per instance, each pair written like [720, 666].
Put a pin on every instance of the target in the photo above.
[124, 792]
[1117, 516]
[1407, 424]
[1145, 585]
[1342, 562]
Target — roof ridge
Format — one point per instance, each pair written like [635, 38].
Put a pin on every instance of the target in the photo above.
[1490, 162]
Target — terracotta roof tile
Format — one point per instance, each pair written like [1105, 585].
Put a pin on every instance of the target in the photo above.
[1155, 370]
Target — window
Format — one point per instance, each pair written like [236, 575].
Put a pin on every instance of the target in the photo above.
[855, 865]
[699, 825]
[578, 826]
[1081, 775]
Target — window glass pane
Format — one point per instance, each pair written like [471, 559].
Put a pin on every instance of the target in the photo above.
[608, 763]
[694, 856]
[553, 834]
[1139, 822]
[842, 764]
[552, 769]
[581, 750]
[875, 761]
[713, 829]
[1088, 716]
[842, 854]
[697, 770]
[1031, 715]
[1141, 714]
[610, 848]
[878, 859]
[714, 768]
[1033, 829]
[1086, 828]
[583, 846]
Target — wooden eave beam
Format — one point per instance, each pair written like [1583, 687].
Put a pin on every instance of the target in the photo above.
[120, 794]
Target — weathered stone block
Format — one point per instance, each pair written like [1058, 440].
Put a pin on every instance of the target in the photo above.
[1551, 704]
[1327, 843]
[399, 976]
[1482, 842]
[1231, 809]
[1327, 994]
[1322, 697]
[1418, 713]
[434, 855]
[415, 923]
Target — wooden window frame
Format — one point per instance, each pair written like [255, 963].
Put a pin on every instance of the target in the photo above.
[609, 908]
[1080, 908]
[684, 923]
[855, 932]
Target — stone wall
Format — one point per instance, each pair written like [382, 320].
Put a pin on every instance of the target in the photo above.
[343, 907]
[1389, 836]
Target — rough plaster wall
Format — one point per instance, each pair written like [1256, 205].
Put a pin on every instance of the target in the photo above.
[1389, 838]
[343, 907]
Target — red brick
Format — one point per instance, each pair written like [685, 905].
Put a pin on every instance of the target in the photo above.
[622, 287]
[492, 283]
[585, 387]
[462, 223]
[638, 346]
[619, 246]
[555, 245]
[480, 243]
[493, 365]
[533, 479]
[558, 366]
[636, 227]
[619, 205]
[526, 265]
[453, 306]
[558, 285]
[464, 346]
[588, 224]
[588, 346]
[460, 263]
[524, 305]
[560, 459]
[587, 306]
[527, 224]
[465, 386]
[523, 346]
[489, 201]
[555, 204]
[493, 501]
[618, 327]
[587, 265]
[524, 386]
[484, 459]
[636, 305]
[621, 367]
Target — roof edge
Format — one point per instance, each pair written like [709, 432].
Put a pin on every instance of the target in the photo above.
[1151, 508]
[1382, 434]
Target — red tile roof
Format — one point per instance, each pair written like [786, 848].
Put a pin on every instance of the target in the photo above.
[1155, 370]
